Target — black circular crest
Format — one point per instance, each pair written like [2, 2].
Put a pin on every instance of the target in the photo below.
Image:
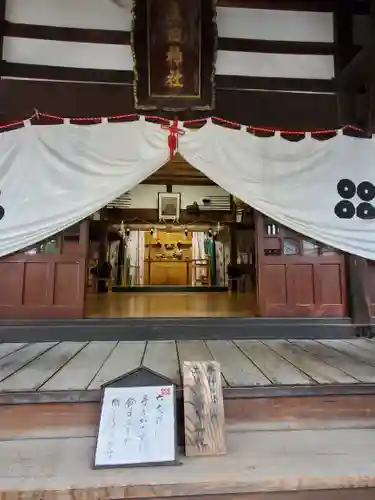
[346, 188]
[366, 211]
[345, 210]
[2, 212]
[366, 191]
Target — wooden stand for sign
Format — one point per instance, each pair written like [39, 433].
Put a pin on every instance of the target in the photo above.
[137, 421]
[204, 409]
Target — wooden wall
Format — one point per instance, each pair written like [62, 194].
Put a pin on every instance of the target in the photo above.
[72, 60]
[296, 276]
[47, 280]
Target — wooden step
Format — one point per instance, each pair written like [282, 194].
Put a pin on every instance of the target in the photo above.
[303, 464]
[23, 414]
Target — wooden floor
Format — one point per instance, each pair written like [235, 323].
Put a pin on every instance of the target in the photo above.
[68, 366]
[164, 304]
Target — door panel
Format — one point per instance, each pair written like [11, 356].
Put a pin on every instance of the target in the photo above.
[297, 277]
[47, 280]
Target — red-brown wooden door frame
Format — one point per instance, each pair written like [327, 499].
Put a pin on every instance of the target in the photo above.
[298, 285]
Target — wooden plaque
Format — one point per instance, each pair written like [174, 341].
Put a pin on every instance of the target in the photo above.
[204, 409]
[174, 49]
[137, 422]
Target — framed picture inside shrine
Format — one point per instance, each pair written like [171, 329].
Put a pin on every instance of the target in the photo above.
[137, 422]
[169, 206]
[174, 46]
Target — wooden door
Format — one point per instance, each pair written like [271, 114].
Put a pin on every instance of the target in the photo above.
[297, 277]
[370, 285]
[46, 280]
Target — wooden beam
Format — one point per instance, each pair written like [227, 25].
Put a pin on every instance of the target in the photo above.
[125, 78]
[298, 5]
[113, 37]
[343, 34]
[290, 111]
[149, 215]
[344, 53]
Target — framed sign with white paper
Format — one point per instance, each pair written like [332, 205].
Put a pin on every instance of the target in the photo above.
[137, 422]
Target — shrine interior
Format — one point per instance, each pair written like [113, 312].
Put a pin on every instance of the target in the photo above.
[176, 245]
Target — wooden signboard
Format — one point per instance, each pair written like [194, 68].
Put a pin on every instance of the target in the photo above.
[204, 409]
[174, 50]
[137, 422]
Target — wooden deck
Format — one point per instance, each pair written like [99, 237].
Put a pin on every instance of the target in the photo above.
[84, 366]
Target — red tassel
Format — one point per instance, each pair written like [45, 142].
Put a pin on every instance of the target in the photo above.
[174, 133]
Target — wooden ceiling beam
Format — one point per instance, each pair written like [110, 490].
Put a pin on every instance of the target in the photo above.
[182, 181]
[299, 5]
[360, 7]
[150, 216]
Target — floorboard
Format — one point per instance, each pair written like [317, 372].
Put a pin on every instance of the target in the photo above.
[366, 344]
[277, 369]
[236, 368]
[274, 364]
[321, 372]
[82, 369]
[162, 358]
[18, 359]
[38, 371]
[355, 351]
[359, 371]
[6, 349]
[126, 356]
[194, 350]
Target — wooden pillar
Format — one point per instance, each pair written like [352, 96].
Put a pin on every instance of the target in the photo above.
[233, 242]
[358, 300]
[344, 53]
[103, 239]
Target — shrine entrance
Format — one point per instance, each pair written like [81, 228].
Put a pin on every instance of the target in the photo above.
[176, 245]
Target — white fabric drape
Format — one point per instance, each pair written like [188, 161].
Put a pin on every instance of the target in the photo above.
[294, 183]
[53, 176]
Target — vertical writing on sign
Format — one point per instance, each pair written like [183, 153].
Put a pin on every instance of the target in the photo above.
[137, 426]
[174, 56]
[204, 409]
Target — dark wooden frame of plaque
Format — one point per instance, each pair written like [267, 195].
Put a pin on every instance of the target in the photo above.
[140, 51]
[139, 377]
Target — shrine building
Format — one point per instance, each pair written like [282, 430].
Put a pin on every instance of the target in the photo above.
[187, 180]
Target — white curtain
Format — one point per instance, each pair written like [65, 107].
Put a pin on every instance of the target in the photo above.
[56, 175]
[295, 183]
[53, 176]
